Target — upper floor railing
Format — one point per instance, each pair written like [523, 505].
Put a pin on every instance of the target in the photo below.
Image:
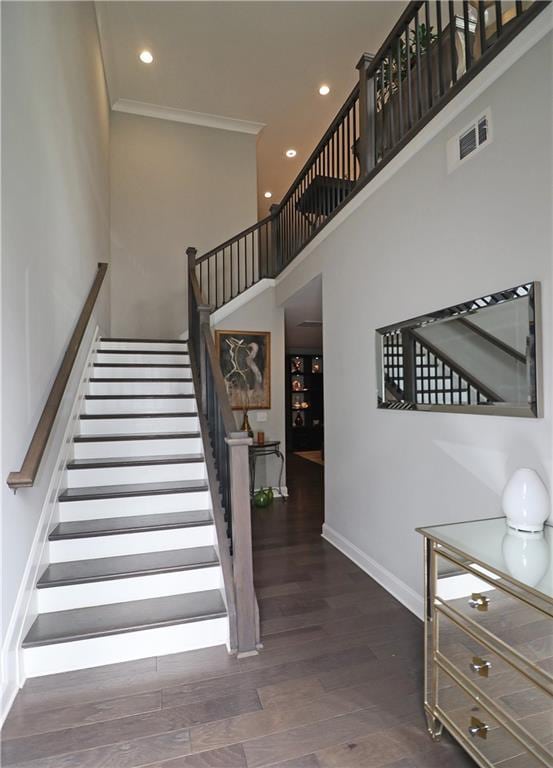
[435, 49]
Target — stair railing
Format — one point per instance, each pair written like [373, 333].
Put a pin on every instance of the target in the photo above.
[434, 50]
[228, 472]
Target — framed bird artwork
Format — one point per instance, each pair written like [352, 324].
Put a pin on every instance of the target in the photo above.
[245, 360]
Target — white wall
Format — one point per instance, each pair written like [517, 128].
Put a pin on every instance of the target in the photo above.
[172, 186]
[55, 215]
[422, 241]
[262, 314]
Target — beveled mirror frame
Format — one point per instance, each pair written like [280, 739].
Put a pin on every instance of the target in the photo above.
[533, 409]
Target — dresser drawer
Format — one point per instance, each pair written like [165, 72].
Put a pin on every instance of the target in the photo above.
[471, 723]
[522, 627]
[526, 699]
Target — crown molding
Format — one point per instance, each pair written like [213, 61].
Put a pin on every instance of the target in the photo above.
[132, 107]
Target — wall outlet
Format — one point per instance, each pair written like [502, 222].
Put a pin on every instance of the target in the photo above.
[261, 416]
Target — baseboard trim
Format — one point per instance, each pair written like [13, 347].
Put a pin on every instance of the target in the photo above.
[401, 591]
[24, 610]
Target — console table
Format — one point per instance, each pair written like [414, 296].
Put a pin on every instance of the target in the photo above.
[489, 641]
[268, 448]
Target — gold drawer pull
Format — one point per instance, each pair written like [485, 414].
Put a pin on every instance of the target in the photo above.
[478, 728]
[479, 602]
[480, 666]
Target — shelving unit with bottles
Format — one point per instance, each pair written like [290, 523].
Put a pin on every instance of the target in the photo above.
[304, 402]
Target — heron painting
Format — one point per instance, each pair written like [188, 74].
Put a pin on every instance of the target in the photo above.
[245, 359]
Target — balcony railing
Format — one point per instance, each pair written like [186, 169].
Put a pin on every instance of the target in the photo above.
[435, 49]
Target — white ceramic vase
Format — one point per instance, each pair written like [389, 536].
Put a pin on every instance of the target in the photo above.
[526, 556]
[525, 501]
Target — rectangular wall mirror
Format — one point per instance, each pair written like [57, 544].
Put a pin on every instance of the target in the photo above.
[480, 356]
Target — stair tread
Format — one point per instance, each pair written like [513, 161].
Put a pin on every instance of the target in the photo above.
[160, 396]
[99, 621]
[126, 566]
[136, 461]
[144, 341]
[134, 524]
[132, 489]
[142, 365]
[140, 352]
[138, 436]
[149, 415]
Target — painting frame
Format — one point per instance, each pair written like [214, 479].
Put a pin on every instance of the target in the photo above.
[257, 397]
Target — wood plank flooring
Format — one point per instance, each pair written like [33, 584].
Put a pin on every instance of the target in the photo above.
[338, 684]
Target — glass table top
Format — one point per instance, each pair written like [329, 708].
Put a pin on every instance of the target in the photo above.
[525, 558]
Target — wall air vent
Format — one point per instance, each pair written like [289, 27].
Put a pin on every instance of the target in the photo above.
[469, 141]
[310, 324]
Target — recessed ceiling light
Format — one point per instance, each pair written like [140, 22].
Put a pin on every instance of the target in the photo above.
[268, 194]
[324, 90]
[146, 57]
[291, 153]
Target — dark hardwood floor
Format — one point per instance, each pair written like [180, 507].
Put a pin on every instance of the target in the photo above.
[338, 684]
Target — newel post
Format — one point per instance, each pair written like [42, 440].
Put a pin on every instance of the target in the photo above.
[367, 116]
[246, 609]
[198, 315]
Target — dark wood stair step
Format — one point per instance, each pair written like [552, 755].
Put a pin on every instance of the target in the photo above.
[142, 365]
[140, 352]
[99, 492]
[135, 380]
[144, 341]
[160, 396]
[150, 415]
[126, 566]
[110, 526]
[99, 621]
[142, 436]
[136, 461]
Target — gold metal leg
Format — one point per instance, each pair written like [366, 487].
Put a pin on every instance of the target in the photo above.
[434, 727]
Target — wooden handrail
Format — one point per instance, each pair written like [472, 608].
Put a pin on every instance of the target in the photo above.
[456, 368]
[354, 94]
[232, 240]
[219, 383]
[26, 476]
[491, 339]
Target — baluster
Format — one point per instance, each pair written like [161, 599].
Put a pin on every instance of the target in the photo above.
[399, 88]
[482, 27]
[452, 49]
[468, 55]
[440, 48]
[418, 66]
[429, 100]
[391, 98]
[498, 19]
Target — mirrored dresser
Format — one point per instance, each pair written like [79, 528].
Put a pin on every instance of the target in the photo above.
[489, 641]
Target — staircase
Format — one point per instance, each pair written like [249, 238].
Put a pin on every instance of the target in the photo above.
[133, 569]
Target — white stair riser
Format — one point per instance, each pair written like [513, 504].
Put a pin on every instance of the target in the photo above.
[128, 448]
[171, 346]
[116, 545]
[114, 426]
[137, 357]
[86, 478]
[129, 372]
[142, 405]
[133, 505]
[64, 657]
[159, 387]
[121, 590]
